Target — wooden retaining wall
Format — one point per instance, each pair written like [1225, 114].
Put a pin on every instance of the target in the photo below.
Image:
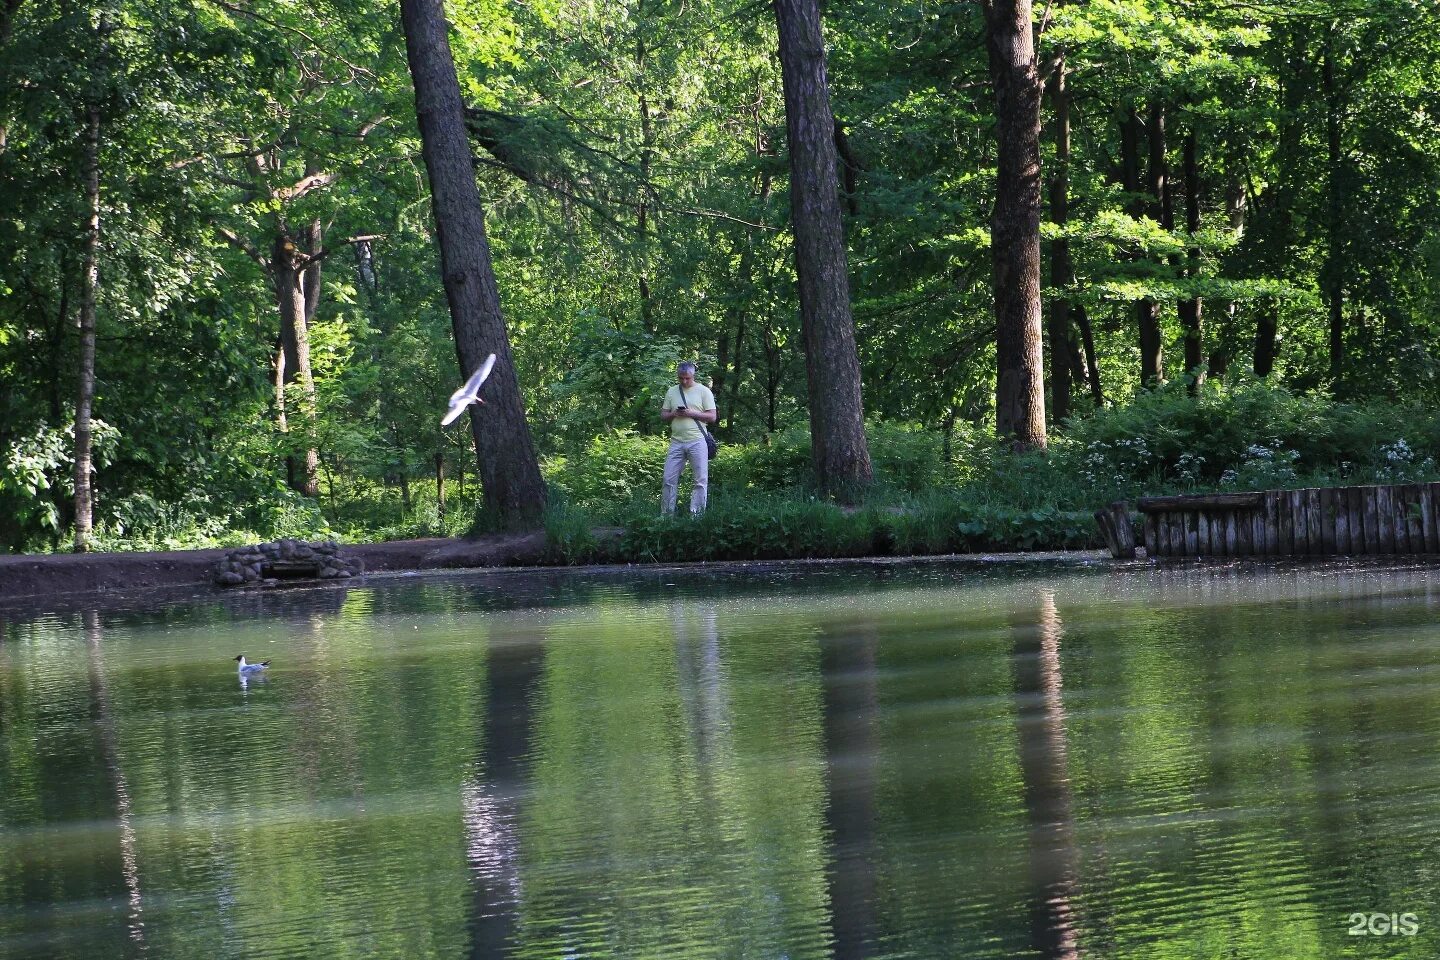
[1372, 520]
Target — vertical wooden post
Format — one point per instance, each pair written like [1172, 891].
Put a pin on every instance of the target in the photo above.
[1340, 502]
[1300, 521]
[1385, 520]
[1430, 517]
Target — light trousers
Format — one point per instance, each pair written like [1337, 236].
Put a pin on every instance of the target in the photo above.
[695, 452]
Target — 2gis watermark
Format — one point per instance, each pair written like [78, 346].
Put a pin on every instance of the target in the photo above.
[1376, 924]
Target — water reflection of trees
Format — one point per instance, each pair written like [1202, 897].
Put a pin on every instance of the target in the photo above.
[494, 796]
[1045, 773]
[852, 703]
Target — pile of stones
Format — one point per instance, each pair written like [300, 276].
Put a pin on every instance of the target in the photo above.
[288, 559]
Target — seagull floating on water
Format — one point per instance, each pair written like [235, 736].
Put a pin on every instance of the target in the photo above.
[250, 669]
[468, 394]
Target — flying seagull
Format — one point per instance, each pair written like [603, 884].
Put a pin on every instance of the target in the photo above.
[250, 669]
[468, 394]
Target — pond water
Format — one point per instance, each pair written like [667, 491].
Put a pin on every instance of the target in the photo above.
[929, 761]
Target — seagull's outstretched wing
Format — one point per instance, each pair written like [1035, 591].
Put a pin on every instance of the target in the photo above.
[469, 393]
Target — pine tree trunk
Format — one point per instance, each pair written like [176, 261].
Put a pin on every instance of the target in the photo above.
[90, 283]
[1267, 327]
[1191, 309]
[514, 493]
[1333, 273]
[1147, 311]
[440, 485]
[1015, 237]
[287, 268]
[1062, 271]
[839, 452]
[1224, 347]
[1092, 364]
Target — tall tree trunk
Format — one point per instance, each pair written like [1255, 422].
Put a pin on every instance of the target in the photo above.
[1332, 275]
[747, 279]
[1224, 348]
[90, 284]
[1147, 314]
[1092, 364]
[1191, 309]
[839, 452]
[1062, 270]
[288, 265]
[1267, 327]
[647, 158]
[440, 485]
[514, 492]
[1147, 311]
[1276, 210]
[1015, 237]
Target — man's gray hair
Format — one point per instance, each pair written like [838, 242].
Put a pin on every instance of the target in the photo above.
[686, 367]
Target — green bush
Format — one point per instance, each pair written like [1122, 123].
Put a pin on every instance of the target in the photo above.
[1247, 435]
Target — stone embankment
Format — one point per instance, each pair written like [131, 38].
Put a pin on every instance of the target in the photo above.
[285, 560]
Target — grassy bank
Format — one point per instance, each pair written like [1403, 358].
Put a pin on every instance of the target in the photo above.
[971, 494]
[932, 494]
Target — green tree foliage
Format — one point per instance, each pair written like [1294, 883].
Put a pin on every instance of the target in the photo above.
[633, 164]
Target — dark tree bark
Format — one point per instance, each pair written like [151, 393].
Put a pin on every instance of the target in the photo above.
[1092, 365]
[1275, 209]
[1015, 235]
[1267, 326]
[1147, 311]
[1062, 270]
[1191, 309]
[839, 452]
[647, 159]
[1224, 348]
[514, 492]
[440, 485]
[288, 267]
[1332, 275]
[89, 287]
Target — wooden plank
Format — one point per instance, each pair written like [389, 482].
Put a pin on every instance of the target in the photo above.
[1162, 532]
[1384, 521]
[1230, 547]
[1152, 539]
[1400, 520]
[1414, 517]
[1190, 520]
[1313, 521]
[1340, 503]
[1203, 545]
[1400, 506]
[1124, 531]
[1245, 532]
[1265, 528]
[1370, 519]
[1285, 524]
[1200, 501]
[1327, 521]
[1427, 518]
[1299, 522]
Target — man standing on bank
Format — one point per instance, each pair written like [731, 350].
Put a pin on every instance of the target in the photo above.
[687, 408]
